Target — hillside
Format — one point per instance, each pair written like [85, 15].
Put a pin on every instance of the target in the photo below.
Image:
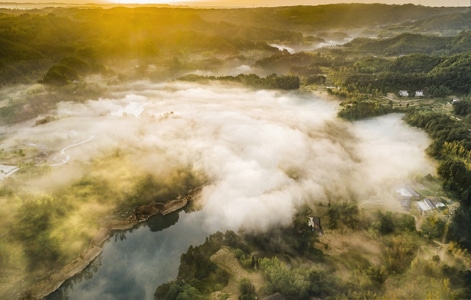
[162, 100]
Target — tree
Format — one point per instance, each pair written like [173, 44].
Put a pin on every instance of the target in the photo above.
[345, 213]
[386, 222]
[457, 179]
[60, 75]
[177, 291]
[433, 226]
[247, 290]
[293, 284]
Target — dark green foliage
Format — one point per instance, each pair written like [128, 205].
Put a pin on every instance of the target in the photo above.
[437, 75]
[70, 68]
[453, 136]
[439, 91]
[406, 43]
[441, 127]
[293, 240]
[321, 284]
[178, 291]
[343, 214]
[462, 42]
[456, 176]
[11, 51]
[82, 40]
[197, 270]
[456, 179]
[247, 290]
[462, 108]
[326, 17]
[459, 279]
[358, 110]
[297, 283]
[452, 22]
[459, 228]
[315, 79]
[389, 223]
[298, 62]
[60, 75]
[75, 63]
[454, 74]
[386, 223]
[433, 226]
[286, 82]
[415, 63]
[195, 264]
[371, 65]
[292, 284]
[235, 241]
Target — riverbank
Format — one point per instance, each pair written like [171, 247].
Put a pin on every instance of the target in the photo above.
[140, 214]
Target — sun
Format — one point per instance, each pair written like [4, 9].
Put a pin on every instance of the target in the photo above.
[157, 2]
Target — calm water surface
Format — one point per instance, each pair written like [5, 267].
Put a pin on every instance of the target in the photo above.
[135, 262]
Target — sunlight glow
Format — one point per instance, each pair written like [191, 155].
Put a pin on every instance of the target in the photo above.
[158, 2]
[266, 3]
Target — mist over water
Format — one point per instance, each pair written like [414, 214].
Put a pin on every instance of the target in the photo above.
[265, 153]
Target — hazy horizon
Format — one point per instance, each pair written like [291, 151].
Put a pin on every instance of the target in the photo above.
[251, 3]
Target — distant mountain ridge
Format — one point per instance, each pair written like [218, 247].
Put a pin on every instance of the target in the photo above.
[42, 38]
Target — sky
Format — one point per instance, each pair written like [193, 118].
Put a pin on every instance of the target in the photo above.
[254, 3]
[257, 3]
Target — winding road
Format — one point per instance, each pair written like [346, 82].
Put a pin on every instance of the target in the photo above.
[6, 170]
[65, 157]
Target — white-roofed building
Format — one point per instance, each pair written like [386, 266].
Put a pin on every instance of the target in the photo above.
[427, 205]
[405, 195]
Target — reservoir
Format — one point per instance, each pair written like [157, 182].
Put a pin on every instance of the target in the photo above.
[135, 262]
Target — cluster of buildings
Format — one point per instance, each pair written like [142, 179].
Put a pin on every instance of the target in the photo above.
[406, 195]
[427, 205]
[404, 93]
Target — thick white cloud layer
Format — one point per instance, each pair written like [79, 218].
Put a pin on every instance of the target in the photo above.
[265, 152]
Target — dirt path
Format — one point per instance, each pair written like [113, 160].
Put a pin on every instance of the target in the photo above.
[226, 260]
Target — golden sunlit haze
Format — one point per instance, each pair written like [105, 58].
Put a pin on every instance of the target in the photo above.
[265, 3]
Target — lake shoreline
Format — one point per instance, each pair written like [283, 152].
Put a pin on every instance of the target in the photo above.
[140, 214]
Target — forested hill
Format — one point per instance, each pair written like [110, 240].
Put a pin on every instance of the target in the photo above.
[407, 43]
[448, 23]
[328, 17]
[31, 42]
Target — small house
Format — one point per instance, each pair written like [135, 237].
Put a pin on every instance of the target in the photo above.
[403, 93]
[419, 93]
[315, 224]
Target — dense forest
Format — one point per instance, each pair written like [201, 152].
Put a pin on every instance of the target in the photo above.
[368, 62]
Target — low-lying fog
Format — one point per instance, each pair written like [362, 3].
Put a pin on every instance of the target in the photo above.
[265, 153]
